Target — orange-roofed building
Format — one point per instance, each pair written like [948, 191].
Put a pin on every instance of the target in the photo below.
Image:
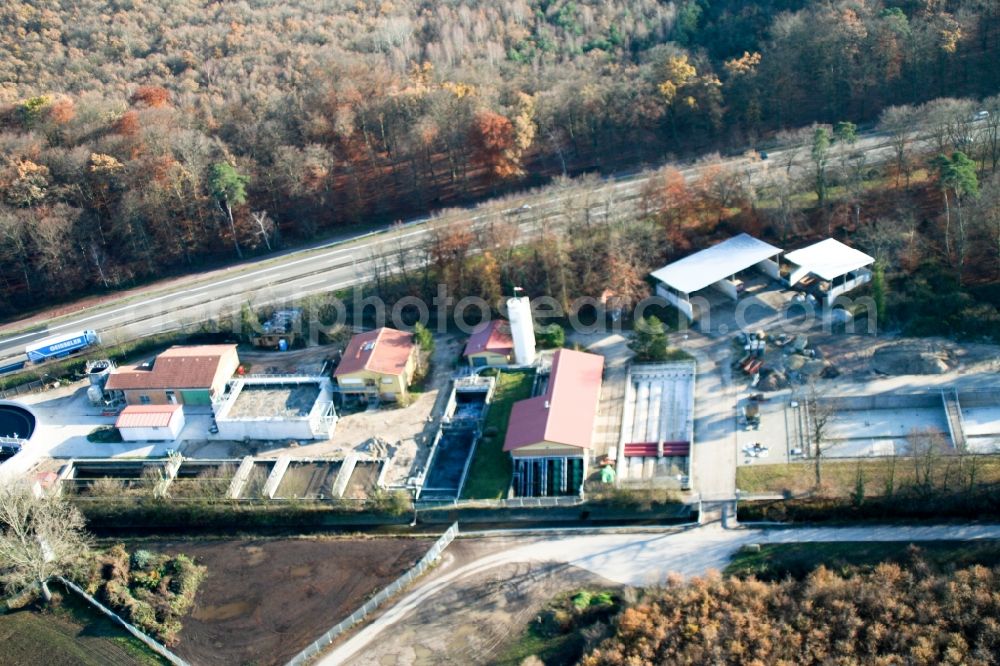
[490, 345]
[549, 436]
[380, 362]
[192, 376]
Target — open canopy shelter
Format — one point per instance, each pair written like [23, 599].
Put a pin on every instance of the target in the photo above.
[715, 267]
[829, 268]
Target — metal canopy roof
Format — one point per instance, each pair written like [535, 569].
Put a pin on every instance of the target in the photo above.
[716, 263]
[829, 259]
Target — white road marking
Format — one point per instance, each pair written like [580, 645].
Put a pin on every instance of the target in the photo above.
[255, 275]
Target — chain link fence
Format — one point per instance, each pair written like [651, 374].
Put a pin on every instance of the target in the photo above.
[511, 503]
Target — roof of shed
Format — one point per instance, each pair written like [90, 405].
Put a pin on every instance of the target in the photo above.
[146, 416]
[492, 336]
[829, 259]
[175, 368]
[566, 412]
[716, 263]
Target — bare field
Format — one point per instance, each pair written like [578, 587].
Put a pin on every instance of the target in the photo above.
[475, 621]
[263, 600]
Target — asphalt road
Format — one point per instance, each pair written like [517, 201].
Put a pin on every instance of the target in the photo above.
[352, 261]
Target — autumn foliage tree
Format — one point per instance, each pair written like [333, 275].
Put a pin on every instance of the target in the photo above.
[493, 142]
[152, 96]
[893, 615]
[352, 112]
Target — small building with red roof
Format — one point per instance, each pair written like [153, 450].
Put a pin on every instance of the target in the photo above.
[142, 423]
[490, 345]
[380, 362]
[549, 436]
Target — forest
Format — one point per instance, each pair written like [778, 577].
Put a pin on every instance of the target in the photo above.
[140, 138]
[890, 615]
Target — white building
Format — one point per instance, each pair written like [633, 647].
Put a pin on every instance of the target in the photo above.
[828, 269]
[275, 407]
[717, 267]
[144, 423]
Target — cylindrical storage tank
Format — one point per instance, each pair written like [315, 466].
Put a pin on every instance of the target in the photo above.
[522, 329]
[98, 371]
[95, 394]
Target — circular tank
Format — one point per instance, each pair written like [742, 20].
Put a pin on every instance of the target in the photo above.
[16, 421]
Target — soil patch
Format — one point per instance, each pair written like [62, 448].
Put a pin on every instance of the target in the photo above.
[911, 359]
[362, 481]
[263, 601]
[475, 620]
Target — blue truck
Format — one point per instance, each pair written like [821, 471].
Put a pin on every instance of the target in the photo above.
[61, 345]
[12, 367]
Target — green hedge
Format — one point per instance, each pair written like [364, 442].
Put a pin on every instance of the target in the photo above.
[149, 514]
[982, 504]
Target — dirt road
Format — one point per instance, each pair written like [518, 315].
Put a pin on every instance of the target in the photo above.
[629, 559]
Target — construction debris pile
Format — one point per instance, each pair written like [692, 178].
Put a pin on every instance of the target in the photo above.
[773, 362]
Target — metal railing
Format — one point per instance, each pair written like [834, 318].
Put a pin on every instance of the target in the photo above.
[22, 389]
[321, 643]
[511, 503]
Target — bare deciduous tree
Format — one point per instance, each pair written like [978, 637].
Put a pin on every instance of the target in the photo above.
[41, 537]
[265, 227]
[927, 447]
[819, 413]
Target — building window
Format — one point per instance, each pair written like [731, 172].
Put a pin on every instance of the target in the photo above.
[143, 399]
[387, 380]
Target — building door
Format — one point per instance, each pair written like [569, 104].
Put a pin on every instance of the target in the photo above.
[195, 398]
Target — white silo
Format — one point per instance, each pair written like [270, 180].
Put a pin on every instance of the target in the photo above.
[522, 329]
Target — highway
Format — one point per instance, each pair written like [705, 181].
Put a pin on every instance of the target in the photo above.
[187, 302]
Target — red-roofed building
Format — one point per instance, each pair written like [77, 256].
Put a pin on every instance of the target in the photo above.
[140, 423]
[178, 376]
[380, 362]
[490, 345]
[549, 436]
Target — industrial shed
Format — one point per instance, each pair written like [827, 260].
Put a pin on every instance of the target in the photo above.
[717, 267]
[828, 269]
[143, 423]
[549, 436]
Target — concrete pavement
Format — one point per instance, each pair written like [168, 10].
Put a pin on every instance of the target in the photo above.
[641, 559]
[713, 457]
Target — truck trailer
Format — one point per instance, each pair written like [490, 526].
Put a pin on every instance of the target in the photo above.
[61, 345]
